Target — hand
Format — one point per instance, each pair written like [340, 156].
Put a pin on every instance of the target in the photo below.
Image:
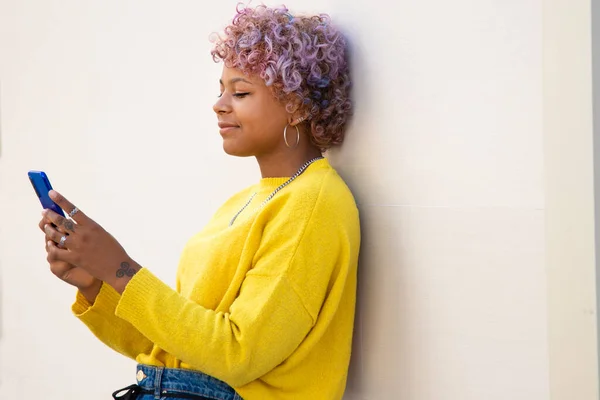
[86, 283]
[87, 245]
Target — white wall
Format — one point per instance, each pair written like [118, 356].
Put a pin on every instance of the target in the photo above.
[445, 156]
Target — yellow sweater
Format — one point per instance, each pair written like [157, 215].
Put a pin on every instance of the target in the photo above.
[265, 305]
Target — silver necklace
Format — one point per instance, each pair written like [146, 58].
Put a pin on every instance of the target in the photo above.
[269, 197]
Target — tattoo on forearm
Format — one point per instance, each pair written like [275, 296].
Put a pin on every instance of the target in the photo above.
[125, 269]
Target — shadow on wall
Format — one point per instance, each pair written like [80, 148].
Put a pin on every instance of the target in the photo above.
[382, 327]
[381, 310]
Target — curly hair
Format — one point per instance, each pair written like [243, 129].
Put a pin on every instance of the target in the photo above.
[302, 58]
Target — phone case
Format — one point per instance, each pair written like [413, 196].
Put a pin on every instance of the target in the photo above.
[41, 184]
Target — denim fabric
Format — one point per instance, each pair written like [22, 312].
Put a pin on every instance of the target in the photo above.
[168, 383]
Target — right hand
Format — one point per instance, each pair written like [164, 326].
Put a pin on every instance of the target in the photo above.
[69, 273]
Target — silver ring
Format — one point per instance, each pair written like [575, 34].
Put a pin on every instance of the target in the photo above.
[62, 241]
[73, 212]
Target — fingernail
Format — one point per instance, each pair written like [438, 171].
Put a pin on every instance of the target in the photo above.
[45, 226]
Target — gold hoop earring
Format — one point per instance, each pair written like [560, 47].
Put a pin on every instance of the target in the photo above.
[297, 137]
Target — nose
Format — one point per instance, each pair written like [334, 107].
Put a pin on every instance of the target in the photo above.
[222, 106]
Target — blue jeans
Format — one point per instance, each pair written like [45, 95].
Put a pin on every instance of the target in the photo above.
[158, 383]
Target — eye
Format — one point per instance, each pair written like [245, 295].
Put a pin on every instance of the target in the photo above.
[220, 94]
[241, 95]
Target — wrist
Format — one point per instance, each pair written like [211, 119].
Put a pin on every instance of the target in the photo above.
[91, 292]
[121, 277]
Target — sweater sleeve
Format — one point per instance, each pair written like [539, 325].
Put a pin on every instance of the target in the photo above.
[236, 347]
[275, 309]
[113, 331]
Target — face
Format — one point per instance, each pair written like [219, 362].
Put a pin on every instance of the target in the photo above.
[251, 119]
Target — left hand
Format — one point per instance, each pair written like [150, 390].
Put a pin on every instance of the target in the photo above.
[88, 245]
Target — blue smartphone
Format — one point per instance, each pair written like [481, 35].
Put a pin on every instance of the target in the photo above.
[41, 184]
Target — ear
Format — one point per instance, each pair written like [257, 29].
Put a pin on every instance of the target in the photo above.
[294, 109]
[298, 121]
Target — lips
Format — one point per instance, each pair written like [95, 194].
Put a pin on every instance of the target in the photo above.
[224, 125]
[227, 127]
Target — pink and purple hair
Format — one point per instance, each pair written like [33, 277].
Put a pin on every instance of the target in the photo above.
[300, 57]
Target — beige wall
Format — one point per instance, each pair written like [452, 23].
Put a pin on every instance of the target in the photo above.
[569, 216]
[448, 156]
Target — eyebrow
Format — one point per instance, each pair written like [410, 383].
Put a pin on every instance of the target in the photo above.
[234, 80]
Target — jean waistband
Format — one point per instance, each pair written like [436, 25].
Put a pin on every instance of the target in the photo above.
[164, 381]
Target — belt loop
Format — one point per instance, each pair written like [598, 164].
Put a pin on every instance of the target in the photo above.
[158, 382]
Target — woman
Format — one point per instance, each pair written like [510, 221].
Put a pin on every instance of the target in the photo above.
[264, 303]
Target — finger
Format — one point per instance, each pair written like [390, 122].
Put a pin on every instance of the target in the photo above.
[43, 222]
[68, 207]
[55, 235]
[46, 245]
[56, 253]
[46, 238]
[62, 224]
[50, 256]
[60, 269]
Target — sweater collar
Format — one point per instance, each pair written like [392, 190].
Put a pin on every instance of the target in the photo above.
[272, 183]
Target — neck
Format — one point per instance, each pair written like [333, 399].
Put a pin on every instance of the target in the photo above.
[286, 163]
